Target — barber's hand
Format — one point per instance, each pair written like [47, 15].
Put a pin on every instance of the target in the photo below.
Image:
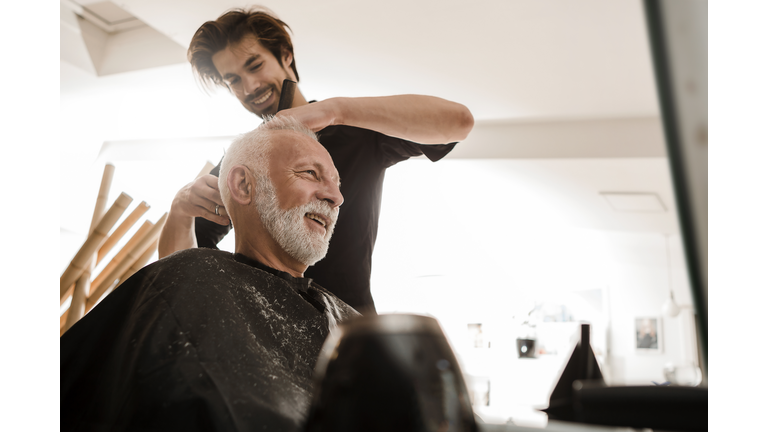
[317, 115]
[199, 199]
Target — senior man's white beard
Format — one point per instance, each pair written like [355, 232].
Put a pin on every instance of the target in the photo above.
[289, 228]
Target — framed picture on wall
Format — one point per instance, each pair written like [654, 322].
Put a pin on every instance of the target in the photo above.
[648, 335]
[475, 335]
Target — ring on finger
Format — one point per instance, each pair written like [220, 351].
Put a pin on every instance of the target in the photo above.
[216, 210]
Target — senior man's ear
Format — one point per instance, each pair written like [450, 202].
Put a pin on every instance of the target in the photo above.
[240, 183]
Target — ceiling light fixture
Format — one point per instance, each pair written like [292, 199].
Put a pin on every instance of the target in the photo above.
[636, 202]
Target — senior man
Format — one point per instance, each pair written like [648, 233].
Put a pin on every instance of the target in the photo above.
[209, 340]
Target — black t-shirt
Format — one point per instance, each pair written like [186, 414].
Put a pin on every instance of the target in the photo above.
[361, 156]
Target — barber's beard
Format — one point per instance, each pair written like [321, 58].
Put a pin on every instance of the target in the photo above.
[289, 228]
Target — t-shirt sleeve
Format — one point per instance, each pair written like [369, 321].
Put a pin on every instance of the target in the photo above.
[207, 233]
[393, 150]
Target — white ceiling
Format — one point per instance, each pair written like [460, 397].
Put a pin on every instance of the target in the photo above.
[568, 82]
[504, 59]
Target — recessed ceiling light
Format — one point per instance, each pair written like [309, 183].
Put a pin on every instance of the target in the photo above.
[638, 202]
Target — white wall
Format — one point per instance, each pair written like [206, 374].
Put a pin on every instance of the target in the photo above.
[638, 288]
[478, 242]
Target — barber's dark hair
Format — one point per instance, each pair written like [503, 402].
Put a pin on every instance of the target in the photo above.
[232, 27]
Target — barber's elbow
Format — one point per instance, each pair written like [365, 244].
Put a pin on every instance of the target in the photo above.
[464, 122]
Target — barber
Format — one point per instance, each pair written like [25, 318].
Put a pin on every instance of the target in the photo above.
[250, 53]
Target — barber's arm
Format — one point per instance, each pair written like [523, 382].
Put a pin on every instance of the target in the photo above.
[417, 118]
[197, 199]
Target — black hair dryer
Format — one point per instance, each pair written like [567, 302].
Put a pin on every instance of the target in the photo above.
[389, 373]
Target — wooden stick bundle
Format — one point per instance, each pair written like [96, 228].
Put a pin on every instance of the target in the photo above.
[120, 231]
[123, 253]
[95, 239]
[76, 279]
[67, 293]
[133, 255]
[137, 236]
[80, 292]
[77, 307]
[101, 198]
[140, 263]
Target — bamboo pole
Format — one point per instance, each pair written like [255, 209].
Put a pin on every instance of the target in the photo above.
[140, 263]
[120, 256]
[206, 169]
[143, 229]
[101, 198]
[62, 320]
[67, 293]
[132, 256]
[80, 292]
[92, 243]
[120, 231]
[77, 307]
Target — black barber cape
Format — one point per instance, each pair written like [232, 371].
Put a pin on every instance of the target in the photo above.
[201, 340]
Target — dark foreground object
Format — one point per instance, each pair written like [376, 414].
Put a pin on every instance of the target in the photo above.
[582, 396]
[389, 373]
[201, 340]
[668, 408]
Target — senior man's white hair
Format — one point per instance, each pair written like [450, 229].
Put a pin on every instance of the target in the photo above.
[252, 150]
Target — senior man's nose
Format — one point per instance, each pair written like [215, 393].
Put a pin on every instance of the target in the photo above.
[330, 193]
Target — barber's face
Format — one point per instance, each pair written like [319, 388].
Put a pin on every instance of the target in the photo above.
[253, 74]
